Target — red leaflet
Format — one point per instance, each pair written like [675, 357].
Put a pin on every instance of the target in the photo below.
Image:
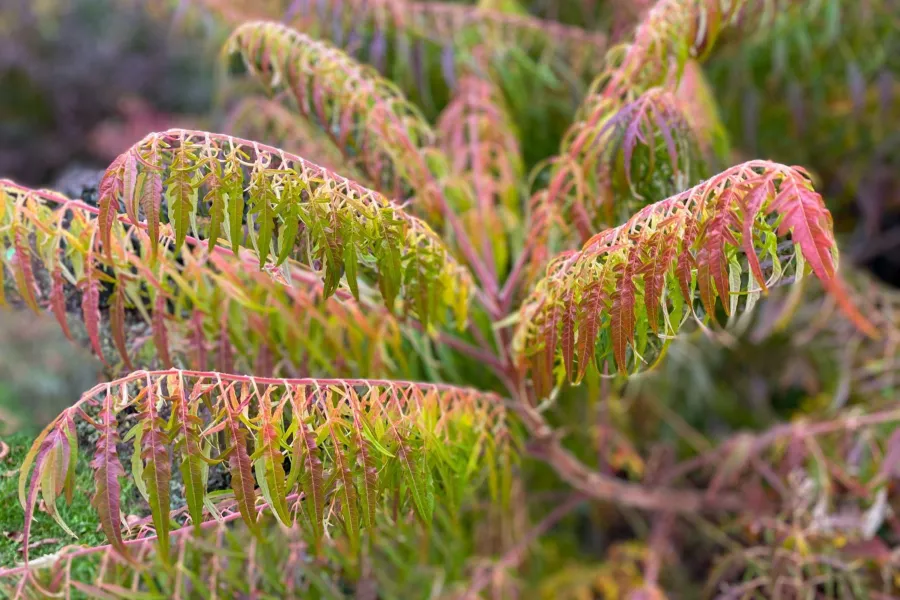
[593, 303]
[660, 254]
[712, 263]
[107, 470]
[686, 262]
[242, 482]
[129, 182]
[117, 324]
[58, 299]
[759, 192]
[90, 307]
[622, 312]
[551, 335]
[313, 480]
[111, 187]
[809, 223]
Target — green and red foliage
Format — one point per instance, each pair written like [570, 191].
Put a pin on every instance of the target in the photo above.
[351, 380]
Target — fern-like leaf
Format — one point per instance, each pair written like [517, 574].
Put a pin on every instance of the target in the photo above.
[696, 243]
[365, 115]
[285, 190]
[276, 414]
[232, 305]
[638, 134]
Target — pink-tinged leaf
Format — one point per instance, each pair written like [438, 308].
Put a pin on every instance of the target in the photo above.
[712, 262]
[22, 271]
[90, 307]
[117, 324]
[593, 303]
[665, 128]
[622, 313]
[659, 261]
[58, 300]
[349, 503]
[551, 337]
[759, 191]
[242, 482]
[569, 317]
[685, 262]
[129, 183]
[157, 472]
[629, 141]
[111, 187]
[805, 217]
[151, 202]
[160, 333]
[107, 470]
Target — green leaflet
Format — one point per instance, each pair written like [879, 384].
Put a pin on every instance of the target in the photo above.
[184, 424]
[181, 193]
[300, 210]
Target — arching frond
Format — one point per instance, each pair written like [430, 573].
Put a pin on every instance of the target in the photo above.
[192, 307]
[352, 447]
[632, 287]
[294, 208]
[637, 134]
[486, 169]
[365, 115]
[269, 121]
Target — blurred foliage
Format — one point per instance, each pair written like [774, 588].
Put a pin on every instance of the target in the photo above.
[71, 69]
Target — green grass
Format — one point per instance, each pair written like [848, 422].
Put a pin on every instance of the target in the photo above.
[80, 515]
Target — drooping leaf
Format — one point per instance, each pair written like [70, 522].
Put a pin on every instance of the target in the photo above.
[107, 471]
[205, 302]
[157, 472]
[683, 246]
[330, 208]
[369, 416]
